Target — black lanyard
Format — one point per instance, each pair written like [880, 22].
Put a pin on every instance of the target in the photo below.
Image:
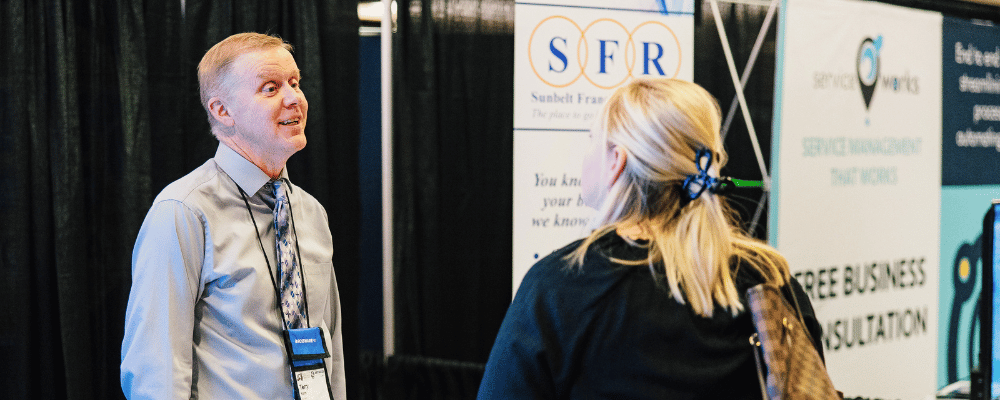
[298, 254]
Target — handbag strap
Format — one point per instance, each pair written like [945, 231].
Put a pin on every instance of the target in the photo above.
[795, 303]
[751, 278]
[755, 342]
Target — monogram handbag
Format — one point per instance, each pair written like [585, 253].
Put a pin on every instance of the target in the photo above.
[791, 364]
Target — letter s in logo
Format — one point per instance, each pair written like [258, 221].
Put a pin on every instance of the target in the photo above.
[560, 55]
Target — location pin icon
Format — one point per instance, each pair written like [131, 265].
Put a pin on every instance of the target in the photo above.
[868, 66]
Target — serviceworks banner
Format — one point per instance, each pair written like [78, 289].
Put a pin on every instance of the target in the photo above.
[856, 191]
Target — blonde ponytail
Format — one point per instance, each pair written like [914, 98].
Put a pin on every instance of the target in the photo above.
[662, 124]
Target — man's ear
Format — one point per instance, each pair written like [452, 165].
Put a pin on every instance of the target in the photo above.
[219, 111]
[618, 160]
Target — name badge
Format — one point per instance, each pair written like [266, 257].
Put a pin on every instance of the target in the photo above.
[307, 349]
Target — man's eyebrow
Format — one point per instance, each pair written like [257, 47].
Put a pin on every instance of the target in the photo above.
[267, 74]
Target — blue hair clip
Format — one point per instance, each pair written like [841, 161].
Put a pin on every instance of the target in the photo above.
[695, 185]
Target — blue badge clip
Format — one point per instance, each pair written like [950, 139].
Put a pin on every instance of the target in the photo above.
[306, 346]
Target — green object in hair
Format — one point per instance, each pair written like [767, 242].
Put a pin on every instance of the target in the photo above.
[747, 183]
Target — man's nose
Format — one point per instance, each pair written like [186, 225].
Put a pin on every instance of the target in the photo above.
[291, 96]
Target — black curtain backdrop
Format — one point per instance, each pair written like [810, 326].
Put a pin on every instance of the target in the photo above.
[100, 107]
[453, 138]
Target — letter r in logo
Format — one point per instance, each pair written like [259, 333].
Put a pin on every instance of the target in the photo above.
[654, 60]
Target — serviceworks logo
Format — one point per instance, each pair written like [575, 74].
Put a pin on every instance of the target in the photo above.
[868, 67]
[871, 76]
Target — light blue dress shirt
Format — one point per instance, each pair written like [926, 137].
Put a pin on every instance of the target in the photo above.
[202, 320]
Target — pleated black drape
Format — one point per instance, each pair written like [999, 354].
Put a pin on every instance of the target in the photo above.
[100, 107]
[453, 66]
[74, 187]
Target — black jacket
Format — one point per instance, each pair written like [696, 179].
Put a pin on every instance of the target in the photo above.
[609, 331]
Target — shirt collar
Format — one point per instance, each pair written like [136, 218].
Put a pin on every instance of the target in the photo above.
[246, 175]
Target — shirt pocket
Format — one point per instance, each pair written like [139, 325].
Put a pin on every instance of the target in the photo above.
[318, 284]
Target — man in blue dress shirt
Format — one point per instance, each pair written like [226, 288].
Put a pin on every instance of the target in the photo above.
[202, 318]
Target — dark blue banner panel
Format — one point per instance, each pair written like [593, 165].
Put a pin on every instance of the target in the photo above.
[970, 150]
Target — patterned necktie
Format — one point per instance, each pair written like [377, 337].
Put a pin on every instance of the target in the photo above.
[289, 280]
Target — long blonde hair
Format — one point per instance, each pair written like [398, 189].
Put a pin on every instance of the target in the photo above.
[661, 124]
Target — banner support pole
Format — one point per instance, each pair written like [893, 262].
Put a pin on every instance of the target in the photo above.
[388, 282]
[765, 27]
[739, 93]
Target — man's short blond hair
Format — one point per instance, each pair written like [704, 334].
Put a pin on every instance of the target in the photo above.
[215, 66]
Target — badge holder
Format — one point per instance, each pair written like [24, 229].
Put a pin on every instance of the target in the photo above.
[306, 350]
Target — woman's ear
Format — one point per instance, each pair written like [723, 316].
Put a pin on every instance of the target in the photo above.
[618, 160]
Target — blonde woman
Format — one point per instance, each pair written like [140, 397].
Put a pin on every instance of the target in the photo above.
[649, 306]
